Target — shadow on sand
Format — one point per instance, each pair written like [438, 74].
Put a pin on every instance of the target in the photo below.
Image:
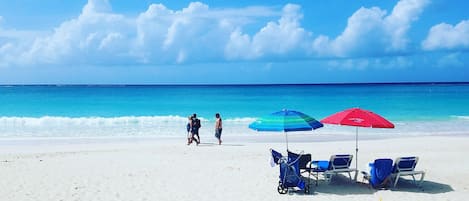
[341, 185]
[430, 187]
[215, 144]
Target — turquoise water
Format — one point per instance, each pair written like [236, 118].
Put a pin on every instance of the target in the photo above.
[146, 110]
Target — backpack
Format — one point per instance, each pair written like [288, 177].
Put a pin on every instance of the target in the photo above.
[196, 123]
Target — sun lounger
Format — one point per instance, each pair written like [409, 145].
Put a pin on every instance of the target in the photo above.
[405, 166]
[337, 164]
[380, 173]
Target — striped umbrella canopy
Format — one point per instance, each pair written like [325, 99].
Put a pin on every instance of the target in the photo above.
[286, 121]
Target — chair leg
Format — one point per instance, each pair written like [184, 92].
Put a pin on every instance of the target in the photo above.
[421, 178]
[317, 178]
[328, 178]
[397, 179]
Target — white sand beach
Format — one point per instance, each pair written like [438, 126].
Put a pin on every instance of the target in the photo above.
[168, 169]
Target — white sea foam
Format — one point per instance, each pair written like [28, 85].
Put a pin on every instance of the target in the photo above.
[175, 126]
[461, 117]
[53, 126]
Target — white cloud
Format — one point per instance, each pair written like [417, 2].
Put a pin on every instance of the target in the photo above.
[284, 37]
[88, 39]
[96, 6]
[157, 36]
[370, 31]
[199, 33]
[193, 33]
[446, 36]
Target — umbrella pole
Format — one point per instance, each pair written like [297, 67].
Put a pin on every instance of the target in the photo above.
[286, 139]
[356, 152]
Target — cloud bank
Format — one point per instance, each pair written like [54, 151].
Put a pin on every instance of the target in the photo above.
[371, 32]
[198, 33]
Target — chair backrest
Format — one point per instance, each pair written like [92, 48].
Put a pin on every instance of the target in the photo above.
[304, 159]
[342, 161]
[276, 156]
[403, 164]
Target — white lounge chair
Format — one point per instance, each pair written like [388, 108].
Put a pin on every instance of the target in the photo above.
[405, 166]
[337, 164]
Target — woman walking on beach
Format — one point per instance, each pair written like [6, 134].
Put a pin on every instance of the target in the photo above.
[189, 133]
[218, 128]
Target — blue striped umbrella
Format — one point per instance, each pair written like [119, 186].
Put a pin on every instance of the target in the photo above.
[286, 121]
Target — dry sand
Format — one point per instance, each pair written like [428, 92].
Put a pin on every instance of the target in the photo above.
[170, 170]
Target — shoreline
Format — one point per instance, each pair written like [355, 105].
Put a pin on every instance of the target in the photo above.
[32, 144]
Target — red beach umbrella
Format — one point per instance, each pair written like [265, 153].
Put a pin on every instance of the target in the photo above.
[359, 118]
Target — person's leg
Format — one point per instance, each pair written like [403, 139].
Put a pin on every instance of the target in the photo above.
[193, 138]
[218, 135]
[189, 137]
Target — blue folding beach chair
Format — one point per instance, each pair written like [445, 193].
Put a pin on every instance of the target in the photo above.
[290, 176]
[380, 173]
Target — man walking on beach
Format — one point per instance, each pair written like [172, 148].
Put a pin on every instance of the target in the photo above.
[218, 128]
[195, 128]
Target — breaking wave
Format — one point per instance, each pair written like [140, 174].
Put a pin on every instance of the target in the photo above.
[54, 126]
[175, 126]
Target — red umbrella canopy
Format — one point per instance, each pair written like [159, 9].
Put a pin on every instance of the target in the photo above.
[358, 117]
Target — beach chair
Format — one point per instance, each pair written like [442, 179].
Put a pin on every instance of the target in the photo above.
[379, 176]
[405, 166]
[304, 164]
[337, 164]
[290, 176]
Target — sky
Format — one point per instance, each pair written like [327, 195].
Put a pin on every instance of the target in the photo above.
[233, 42]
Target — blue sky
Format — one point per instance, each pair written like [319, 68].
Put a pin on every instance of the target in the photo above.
[232, 42]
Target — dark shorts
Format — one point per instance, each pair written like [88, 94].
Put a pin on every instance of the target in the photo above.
[218, 132]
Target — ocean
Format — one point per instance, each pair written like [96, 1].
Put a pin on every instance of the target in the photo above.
[161, 110]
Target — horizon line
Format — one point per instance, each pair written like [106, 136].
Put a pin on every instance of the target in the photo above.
[247, 84]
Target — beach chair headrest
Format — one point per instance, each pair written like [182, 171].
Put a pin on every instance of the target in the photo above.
[340, 161]
[405, 164]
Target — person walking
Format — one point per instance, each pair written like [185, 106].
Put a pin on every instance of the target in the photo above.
[189, 133]
[218, 127]
[195, 125]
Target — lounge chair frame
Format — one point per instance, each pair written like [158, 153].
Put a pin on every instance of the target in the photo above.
[400, 171]
[338, 164]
